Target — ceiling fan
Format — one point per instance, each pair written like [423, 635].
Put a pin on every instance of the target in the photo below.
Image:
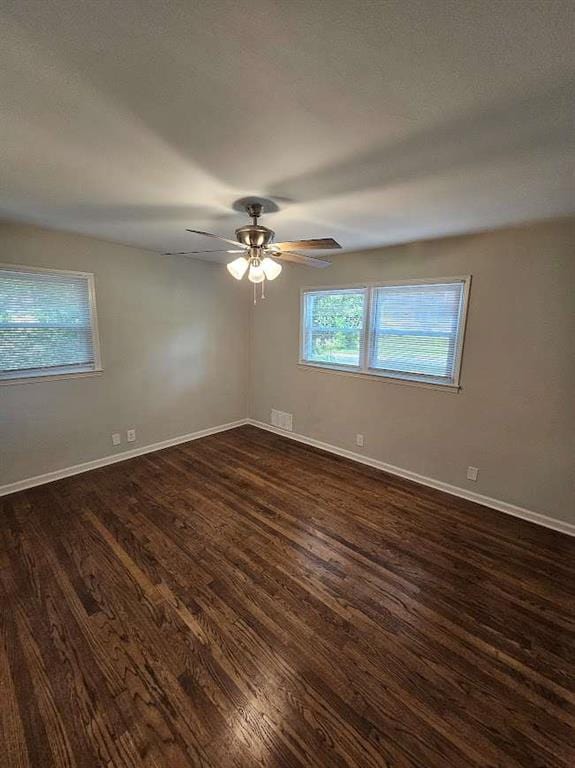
[260, 255]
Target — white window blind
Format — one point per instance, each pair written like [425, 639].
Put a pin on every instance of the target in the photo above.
[333, 327]
[415, 329]
[47, 323]
[408, 330]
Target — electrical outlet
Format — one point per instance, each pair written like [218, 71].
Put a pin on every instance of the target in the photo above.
[116, 438]
[131, 435]
[472, 473]
[359, 440]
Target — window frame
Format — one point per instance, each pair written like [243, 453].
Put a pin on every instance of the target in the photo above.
[55, 374]
[364, 370]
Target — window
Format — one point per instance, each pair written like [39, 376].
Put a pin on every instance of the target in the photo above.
[408, 330]
[334, 327]
[47, 323]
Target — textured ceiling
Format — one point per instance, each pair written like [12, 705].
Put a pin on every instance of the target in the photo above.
[373, 122]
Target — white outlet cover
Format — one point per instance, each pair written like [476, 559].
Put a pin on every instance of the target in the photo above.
[131, 435]
[116, 438]
[472, 473]
[359, 440]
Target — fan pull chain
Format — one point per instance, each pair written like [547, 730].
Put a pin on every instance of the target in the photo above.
[255, 297]
[263, 283]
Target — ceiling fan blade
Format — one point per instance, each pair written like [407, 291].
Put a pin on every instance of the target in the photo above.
[189, 253]
[299, 258]
[209, 234]
[319, 243]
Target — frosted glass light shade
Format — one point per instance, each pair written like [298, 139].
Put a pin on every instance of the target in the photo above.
[237, 268]
[271, 268]
[256, 273]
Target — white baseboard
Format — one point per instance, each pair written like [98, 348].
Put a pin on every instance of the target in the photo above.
[463, 493]
[454, 490]
[76, 469]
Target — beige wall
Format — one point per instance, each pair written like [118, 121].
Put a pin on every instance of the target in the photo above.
[174, 346]
[515, 415]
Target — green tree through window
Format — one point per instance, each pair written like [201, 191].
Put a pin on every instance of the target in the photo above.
[334, 328]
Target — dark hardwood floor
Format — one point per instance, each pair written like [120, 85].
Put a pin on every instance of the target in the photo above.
[244, 600]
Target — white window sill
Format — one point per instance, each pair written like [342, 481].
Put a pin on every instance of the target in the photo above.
[51, 377]
[385, 378]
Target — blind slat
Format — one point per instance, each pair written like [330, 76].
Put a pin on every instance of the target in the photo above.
[45, 322]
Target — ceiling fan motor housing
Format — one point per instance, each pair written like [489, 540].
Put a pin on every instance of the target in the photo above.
[255, 235]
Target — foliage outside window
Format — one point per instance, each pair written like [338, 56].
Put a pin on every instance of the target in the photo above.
[334, 326]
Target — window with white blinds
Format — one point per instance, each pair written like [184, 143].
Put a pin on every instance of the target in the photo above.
[47, 323]
[408, 330]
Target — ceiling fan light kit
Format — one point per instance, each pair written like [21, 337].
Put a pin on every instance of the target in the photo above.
[260, 253]
[259, 269]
